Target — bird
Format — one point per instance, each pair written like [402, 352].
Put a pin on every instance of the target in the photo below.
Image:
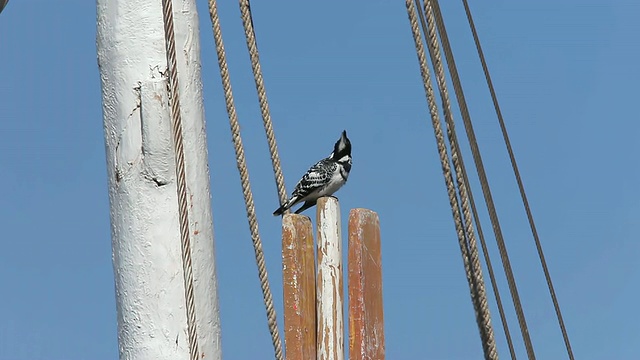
[322, 179]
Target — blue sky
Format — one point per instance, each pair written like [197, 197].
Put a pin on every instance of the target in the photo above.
[566, 75]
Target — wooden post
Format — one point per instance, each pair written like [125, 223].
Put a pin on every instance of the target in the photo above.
[298, 272]
[147, 254]
[329, 282]
[366, 322]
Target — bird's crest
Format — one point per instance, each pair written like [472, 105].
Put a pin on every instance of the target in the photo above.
[342, 148]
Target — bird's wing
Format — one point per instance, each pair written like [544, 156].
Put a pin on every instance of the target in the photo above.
[317, 177]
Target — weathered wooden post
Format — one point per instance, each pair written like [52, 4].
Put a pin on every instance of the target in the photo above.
[366, 320]
[146, 238]
[314, 321]
[330, 333]
[299, 286]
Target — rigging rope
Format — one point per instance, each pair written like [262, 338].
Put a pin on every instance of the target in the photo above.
[481, 173]
[474, 277]
[467, 121]
[516, 172]
[434, 51]
[456, 155]
[246, 186]
[183, 210]
[249, 32]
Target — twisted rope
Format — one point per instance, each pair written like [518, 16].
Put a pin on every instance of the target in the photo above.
[482, 312]
[461, 178]
[460, 171]
[479, 165]
[244, 177]
[523, 195]
[176, 129]
[249, 32]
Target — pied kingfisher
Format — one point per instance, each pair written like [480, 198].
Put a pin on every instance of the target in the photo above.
[323, 179]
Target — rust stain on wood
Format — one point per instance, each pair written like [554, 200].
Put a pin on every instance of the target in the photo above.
[298, 265]
[366, 320]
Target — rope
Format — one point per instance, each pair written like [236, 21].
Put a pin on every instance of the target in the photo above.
[246, 186]
[523, 195]
[436, 59]
[247, 21]
[478, 162]
[176, 120]
[434, 51]
[482, 312]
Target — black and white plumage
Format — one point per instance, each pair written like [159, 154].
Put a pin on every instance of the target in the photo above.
[323, 179]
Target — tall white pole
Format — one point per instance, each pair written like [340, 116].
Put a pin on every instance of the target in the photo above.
[147, 261]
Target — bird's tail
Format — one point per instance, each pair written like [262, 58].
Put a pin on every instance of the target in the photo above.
[281, 210]
[306, 205]
[285, 206]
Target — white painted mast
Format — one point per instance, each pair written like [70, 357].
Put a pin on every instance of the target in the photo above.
[147, 261]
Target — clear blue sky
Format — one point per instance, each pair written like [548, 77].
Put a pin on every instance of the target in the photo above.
[566, 75]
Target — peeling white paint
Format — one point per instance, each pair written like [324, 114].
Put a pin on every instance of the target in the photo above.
[157, 150]
[142, 190]
[330, 334]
